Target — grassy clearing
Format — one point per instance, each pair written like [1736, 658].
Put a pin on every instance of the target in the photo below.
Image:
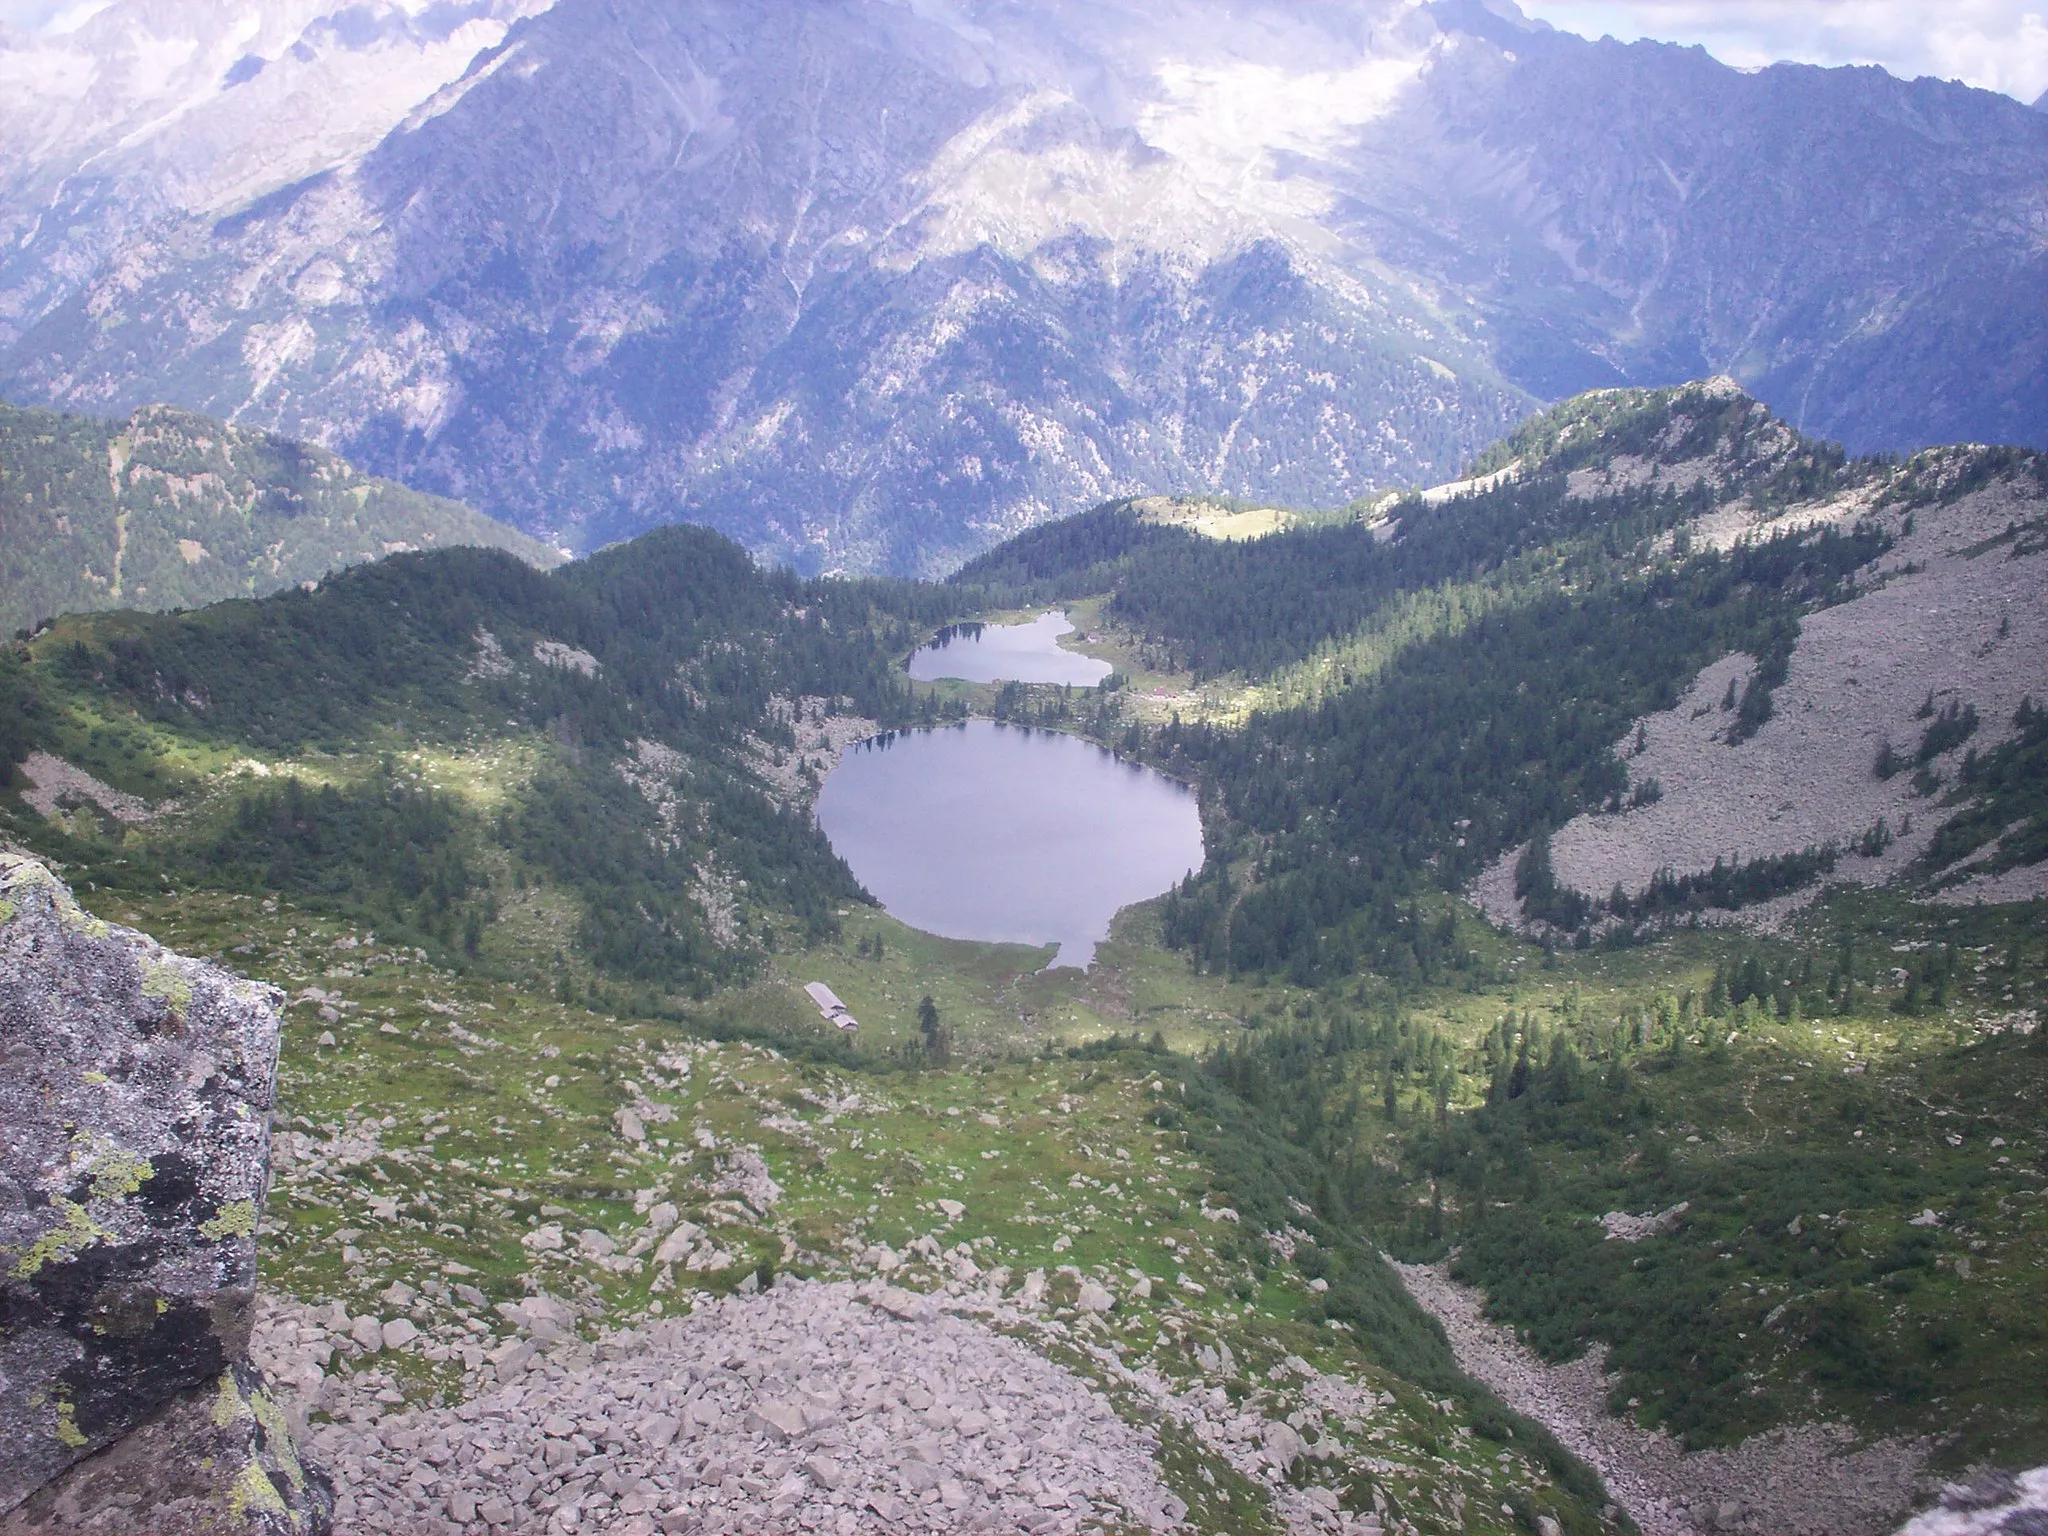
[999, 999]
[1214, 521]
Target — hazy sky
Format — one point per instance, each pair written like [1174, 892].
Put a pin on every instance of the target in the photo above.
[2001, 45]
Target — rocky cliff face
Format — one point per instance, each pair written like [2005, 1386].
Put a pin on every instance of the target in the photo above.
[135, 1088]
[870, 284]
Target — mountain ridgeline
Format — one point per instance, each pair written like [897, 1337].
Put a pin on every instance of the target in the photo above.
[172, 510]
[872, 287]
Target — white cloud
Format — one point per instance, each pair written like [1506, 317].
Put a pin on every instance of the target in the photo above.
[2001, 45]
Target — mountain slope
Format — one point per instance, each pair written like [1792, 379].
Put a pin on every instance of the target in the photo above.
[1886, 709]
[531, 852]
[148, 113]
[1841, 242]
[172, 510]
[871, 286]
[1661, 625]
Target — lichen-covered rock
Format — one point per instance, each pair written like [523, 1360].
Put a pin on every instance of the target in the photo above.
[216, 1460]
[135, 1092]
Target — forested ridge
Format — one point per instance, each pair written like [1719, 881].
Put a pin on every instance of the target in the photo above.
[1328, 819]
[1254, 606]
[169, 509]
[679, 640]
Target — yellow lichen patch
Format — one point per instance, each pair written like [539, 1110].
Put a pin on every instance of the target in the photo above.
[78, 1231]
[7, 911]
[98, 1079]
[19, 874]
[253, 1492]
[228, 1403]
[120, 1176]
[68, 1432]
[166, 986]
[279, 1436]
[72, 915]
[236, 1219]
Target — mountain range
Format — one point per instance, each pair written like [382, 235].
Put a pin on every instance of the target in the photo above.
[871, 284]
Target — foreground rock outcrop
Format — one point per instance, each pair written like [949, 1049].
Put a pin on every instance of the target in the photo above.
[135, 1093]
[1993, 1503]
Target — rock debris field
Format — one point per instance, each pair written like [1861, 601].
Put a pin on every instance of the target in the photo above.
[813, 1406]
[1815, 1480]
[1950, 616]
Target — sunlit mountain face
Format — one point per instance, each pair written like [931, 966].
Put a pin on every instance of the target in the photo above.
[871, 285]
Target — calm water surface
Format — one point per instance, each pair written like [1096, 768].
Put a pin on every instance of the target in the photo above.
[1007, 834]
[1007, 653]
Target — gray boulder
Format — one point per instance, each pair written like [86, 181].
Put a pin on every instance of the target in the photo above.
[135, 1094]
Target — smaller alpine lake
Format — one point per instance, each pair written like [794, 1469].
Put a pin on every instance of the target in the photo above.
[996, 653]
[1007, 834]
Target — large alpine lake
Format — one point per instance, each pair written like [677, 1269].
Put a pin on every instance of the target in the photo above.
[1007, 834]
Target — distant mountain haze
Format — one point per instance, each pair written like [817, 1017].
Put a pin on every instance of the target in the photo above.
[872, 285]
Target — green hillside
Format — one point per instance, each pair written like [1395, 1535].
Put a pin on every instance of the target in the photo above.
[530, 849]
[173, 510]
